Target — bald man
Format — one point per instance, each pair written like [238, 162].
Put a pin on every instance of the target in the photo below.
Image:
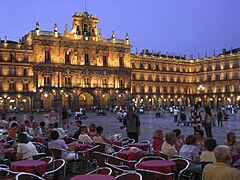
[221, 169]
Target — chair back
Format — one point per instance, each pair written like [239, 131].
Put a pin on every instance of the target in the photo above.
[56, 153]
[100, 158]
[39, 156]
[102, 170]
[150, 175]
[161, 154]
[47, 159]
[54, 169]
[182, 166]
[100, 148]
[148, 158]
[28, 176]
[129, 176]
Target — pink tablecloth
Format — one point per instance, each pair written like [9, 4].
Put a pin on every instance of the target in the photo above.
[39, 139]
[143, 146]
[158, 165]
[125, 154]
[78, 147]
[29, 166]
[93, 177]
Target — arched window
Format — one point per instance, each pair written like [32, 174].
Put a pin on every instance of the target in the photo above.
[105, 61]
[86, 59]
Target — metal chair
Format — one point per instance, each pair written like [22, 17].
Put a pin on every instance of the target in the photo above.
[150, 175]
[182, 166]
[39, 156]
[53, 169]
[147, 158]
[47, 159]
[100, 158]
[102, 170]
[6, 173]
[129, 176]
[28, 176]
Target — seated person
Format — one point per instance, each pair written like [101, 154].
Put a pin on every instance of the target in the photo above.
[221, 169]
[78, 132]
[208, 155]
[232, 143]
[22, 129]
[61, 131]
[57, 143]
[168, 146]
[42, 126]
[200, 139]
[25, 148]
[13, 131]
[180, 138]
[157, 140]
[98, 139]
[84, 136]
[37, 131]
[190, 152]
[92, 130]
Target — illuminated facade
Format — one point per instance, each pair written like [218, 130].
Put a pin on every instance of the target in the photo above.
[47, 69]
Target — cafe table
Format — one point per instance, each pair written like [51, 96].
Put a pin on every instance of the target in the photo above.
[126, 154]
[93, 177]
[29, 166]
[164, 166]
[78, 146]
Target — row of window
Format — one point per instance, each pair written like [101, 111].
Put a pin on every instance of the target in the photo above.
[158, 89]
[178, 68]
[86, 59]
[12, 58]
[12, 86]
[86, 81]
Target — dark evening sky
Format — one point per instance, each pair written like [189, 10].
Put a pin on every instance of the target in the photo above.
[179, 26]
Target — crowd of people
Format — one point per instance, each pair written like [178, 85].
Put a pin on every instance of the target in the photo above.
[195, 147]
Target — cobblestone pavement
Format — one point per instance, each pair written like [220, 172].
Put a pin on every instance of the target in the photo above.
[149, 123]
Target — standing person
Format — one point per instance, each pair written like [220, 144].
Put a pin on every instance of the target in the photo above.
[64, 118]
[207, 122]
[219, 117]
[132, 123]
[175, 114]
[3, 122]
[53, 117]
[196, 118]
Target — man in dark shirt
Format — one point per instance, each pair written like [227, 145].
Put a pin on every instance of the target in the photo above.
[132, 123]
[78, 132]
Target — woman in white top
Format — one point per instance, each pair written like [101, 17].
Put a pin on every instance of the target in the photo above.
[100, 139]
[25, 148]
[208, 155]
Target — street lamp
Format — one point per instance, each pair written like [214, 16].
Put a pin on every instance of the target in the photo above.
[200, 88]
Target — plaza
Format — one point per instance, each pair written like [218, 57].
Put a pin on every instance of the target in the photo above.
[149, 123]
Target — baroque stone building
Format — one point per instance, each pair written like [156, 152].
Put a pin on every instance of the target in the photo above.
[47, 69]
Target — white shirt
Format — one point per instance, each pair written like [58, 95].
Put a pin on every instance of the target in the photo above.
[85, 138]
[169, 150]
[28, 150]
[175, 112]
[208, 156]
